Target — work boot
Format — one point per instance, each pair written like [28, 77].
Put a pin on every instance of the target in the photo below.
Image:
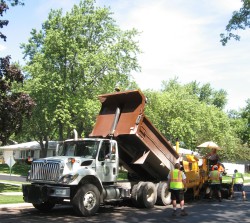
[184, 213]
[174, 213]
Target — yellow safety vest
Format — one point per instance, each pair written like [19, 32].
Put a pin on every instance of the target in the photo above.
[238, 178]
[215, 177]
[176, 179]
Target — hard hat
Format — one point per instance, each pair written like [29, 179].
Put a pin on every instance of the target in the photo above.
[117, 88]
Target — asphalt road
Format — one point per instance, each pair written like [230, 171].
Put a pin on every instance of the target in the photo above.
[12, 177]
[203, 211]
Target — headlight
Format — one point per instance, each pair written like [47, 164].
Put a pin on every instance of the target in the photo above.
[68, 178]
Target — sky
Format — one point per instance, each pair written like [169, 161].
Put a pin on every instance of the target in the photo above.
[179, 39]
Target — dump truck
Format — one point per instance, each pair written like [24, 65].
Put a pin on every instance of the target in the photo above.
[85, 170]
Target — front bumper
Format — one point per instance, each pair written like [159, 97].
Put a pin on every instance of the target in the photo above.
[36, 193]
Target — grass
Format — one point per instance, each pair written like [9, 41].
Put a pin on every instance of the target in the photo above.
[10, 199]
[18, 168]
[7, 187]
[10, 187]
[247, 175]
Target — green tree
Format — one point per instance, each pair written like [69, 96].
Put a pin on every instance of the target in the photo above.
[240, 21]
[245, 115]
[240, 121]
[205, 93]
[14, 103]
[178, 113]
[72, 59]
[4, 6]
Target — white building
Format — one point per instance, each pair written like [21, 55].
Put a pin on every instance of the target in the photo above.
[230, 167]
[26, 150]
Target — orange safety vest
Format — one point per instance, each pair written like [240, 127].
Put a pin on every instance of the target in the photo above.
[176, 179]
[215, 177]
[220, 168]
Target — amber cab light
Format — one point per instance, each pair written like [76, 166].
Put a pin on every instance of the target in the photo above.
[71, 160]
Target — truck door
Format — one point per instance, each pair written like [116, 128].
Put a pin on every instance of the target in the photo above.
[107, 162]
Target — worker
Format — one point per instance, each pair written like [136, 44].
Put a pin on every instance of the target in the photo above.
[238, 184]
[117, 88]
[177, 185]
[111, 155]
[220, 166]
[215, 177]
[213, 157]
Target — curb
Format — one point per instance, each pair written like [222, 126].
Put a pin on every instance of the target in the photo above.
[3, 207]
[11, 193]
[11, 175]
[8, 182]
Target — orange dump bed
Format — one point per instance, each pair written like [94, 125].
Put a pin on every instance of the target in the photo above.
[143, 150]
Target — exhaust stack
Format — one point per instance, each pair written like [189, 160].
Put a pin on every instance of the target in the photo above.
[75, 135]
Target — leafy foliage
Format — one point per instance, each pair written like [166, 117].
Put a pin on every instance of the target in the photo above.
[239, 21]
[245, 114]
[3, 8]
[240, 121]
[204, 93]
[72, 59]
[178, 112]
[14, 104]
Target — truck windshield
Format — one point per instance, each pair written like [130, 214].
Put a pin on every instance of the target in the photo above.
[87, 149]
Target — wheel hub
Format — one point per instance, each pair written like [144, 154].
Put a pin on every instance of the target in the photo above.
[89, 200]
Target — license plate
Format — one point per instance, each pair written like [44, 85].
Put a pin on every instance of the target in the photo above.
[60, 192]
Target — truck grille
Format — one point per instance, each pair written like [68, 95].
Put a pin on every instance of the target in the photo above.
[45, 170]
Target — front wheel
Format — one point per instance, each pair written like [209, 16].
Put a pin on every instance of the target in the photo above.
[86, 201]
[45, 206]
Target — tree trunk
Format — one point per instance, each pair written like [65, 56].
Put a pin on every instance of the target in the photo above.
[44, 147]
[60, 129]
[42, 153]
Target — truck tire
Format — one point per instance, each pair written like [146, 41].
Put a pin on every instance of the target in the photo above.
[45, 206]
[163, 194]
[86, 201]
[135, 194]
[146, 196]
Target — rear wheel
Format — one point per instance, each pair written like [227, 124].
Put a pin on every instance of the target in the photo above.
[147, 195]
[163, 194]
[86, 201]
[135, 194]
[45, 206]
